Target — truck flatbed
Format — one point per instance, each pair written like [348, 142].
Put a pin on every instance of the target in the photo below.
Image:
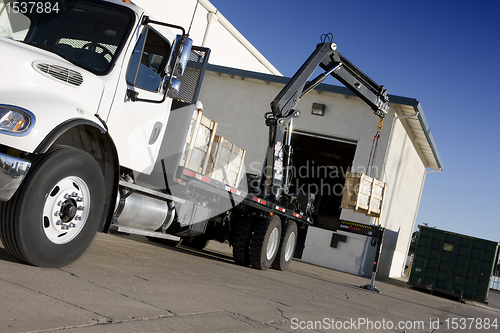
[237, 195]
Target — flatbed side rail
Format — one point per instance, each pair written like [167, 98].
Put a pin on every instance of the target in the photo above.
[249, 199]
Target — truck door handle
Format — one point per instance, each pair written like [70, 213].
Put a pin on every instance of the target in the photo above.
[155, 133]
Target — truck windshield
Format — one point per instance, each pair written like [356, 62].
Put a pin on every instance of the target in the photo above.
[88, 33]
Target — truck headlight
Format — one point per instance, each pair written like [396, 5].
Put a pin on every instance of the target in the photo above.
[15, 121]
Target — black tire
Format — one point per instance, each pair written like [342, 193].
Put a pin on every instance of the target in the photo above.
[29, 227]
[287, 246]
[164, 241]
[265, 242]
[241, 243]
[198, 243]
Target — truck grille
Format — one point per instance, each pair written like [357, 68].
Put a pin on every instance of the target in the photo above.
[193, 75]
[60, 73]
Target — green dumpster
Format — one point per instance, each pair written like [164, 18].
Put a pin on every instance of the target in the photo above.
[456, 265]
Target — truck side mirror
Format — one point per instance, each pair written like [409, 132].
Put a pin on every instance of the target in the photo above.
[175, 86]
[185, 51]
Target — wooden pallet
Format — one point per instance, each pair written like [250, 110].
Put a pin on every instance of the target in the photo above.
[363, 194]
[198, 143]
[226, 162]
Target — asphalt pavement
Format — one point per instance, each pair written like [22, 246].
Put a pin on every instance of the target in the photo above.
[130, 284]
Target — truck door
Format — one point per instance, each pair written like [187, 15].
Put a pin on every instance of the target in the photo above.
[137, 127]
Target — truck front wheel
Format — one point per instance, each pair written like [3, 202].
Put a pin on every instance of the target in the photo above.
[55, 214]
[265, 242]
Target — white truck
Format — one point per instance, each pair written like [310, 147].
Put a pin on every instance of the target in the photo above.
[96, 99]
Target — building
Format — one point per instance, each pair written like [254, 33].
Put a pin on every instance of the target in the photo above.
[237, 90]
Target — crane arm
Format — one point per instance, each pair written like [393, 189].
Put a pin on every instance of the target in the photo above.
[333, 63]
[326, 56]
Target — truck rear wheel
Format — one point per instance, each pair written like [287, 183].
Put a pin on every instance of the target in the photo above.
[287, 246]
[53, 217]
[241, 243]
[265, 242]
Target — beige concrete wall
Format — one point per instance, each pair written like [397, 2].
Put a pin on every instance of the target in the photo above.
[404, 174]
[238, 106]
[348, 256]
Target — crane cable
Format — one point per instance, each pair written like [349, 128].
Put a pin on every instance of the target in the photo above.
[373, 152]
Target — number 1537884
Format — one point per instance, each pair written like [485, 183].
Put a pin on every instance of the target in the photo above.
[32, 7]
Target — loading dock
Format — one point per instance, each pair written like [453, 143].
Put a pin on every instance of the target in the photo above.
[321, 163]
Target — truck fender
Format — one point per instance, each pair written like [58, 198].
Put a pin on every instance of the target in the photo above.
[60, 130]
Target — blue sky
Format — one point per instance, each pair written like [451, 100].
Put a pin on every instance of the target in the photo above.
[443, 53]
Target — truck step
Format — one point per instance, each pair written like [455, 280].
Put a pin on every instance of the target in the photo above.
[142, 232]
[147, 191]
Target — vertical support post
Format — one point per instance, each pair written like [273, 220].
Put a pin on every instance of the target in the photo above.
[379, 239]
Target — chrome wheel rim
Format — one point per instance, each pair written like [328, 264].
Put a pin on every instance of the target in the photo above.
[66, 210]
[272, 244]
[290, 246]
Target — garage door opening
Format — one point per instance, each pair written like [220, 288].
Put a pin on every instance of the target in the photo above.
[320, 166]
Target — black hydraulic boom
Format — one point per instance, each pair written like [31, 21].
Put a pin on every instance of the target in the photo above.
[275, 175]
